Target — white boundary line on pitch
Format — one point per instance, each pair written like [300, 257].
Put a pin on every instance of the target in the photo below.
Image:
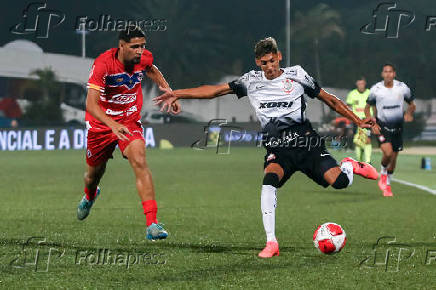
[422, 187]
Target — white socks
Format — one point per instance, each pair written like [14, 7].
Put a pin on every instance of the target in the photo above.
[347, 168]
[388, 180]
[268, 203]
[383, 170]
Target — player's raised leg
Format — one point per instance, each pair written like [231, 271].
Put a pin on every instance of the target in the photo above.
[363, 169]
[92, 178]
[268, 203]
[135, 152]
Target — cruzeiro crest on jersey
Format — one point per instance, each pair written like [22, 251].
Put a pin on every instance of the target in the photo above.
[124, 79]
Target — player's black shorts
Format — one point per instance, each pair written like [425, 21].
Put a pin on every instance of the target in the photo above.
[304, 152]
[391, 133]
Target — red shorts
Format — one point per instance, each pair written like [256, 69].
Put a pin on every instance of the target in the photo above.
[101, 144]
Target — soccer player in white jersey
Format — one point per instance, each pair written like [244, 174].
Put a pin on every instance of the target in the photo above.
[277, 95]
[388, 98]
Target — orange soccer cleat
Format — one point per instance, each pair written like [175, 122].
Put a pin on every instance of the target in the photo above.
[271, 249]
[382, 183]
[363, 169]
[388, 191]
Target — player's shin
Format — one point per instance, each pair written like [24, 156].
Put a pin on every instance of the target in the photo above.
[358, 152]
[150, 211]
[367, 150]
[268, 205]
[345, 178]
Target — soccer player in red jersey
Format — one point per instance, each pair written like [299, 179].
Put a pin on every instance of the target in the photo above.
[113, 107]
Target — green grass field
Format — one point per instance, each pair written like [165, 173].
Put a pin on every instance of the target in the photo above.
[211, 206]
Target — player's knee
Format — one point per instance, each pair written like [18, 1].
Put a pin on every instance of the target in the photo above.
[271, 179]
[138, 162]
[341, 181]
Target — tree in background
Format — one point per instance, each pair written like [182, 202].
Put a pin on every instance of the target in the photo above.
[191, 48]
[44, 95]
[316, 24]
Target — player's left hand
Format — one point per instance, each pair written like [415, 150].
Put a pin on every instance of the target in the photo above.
[408, 117]
[175, 108]
[370, 123]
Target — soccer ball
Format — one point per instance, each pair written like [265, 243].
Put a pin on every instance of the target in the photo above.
[329, 238]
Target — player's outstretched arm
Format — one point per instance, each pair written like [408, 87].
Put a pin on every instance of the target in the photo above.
[94, 109]
[157, 77]
[202, 92]
[337, 105]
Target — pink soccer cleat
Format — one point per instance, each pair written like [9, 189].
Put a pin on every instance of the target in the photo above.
[363, 169]
[388, 191]
[271, 249]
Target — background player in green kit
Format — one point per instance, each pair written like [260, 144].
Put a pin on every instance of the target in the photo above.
[356, 99]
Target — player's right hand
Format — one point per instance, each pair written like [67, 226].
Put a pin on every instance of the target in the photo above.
[120, 131]
[375, 129]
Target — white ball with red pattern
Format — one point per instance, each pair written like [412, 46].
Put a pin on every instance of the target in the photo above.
[329, 238]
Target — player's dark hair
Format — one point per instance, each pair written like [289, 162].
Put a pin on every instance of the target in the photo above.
[130, 32]
[265, 46]
[362, 78]
[389, 64]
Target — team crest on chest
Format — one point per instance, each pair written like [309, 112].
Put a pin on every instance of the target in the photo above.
[287, 86]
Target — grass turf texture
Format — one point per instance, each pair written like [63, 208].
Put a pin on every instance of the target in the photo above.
[211, 207]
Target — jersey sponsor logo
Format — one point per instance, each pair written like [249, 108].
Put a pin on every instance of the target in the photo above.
[391, 107]
[270, 157]
[128, 112]
[124, 79]
[287, 86]
[268, 105]
[131, 110]
[120, 99]
[258, 87]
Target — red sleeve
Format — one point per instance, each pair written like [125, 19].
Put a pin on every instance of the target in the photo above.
[146, 59]
[97, 75]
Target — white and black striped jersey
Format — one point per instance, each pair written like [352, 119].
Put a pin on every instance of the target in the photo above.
[281, 98]
[390, 101]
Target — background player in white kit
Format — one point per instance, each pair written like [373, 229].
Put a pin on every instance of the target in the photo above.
[277, 95]
[388, 98]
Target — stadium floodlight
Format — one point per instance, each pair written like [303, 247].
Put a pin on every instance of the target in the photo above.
[288, 33]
